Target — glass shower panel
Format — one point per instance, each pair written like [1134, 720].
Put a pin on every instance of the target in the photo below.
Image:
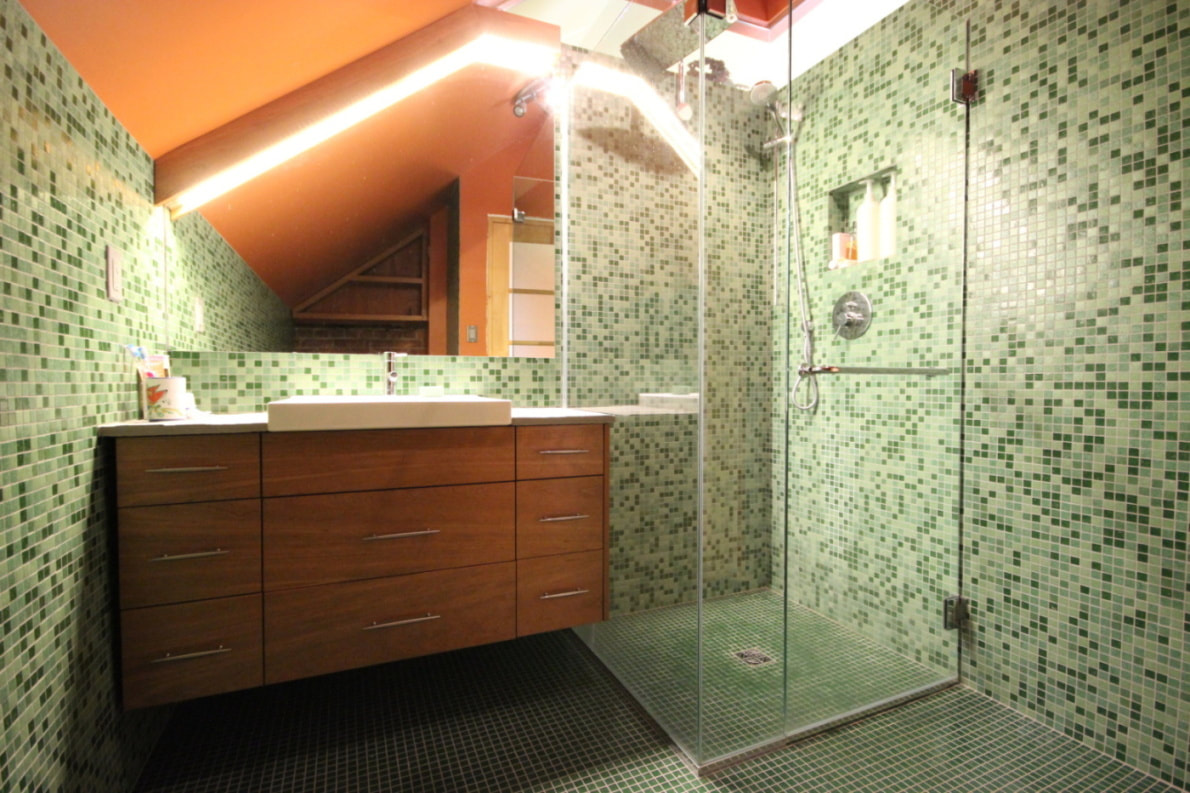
[872, 494]
[630, 323]
[741, 71]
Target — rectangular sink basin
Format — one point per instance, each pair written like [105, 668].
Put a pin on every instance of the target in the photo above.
[311, 413]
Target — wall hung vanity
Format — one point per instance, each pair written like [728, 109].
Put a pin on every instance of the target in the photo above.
[249, 557]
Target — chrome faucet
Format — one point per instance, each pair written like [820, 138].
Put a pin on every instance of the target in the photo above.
[390, 371]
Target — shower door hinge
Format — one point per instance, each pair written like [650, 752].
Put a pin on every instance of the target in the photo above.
[964, 86]
[955, 613]
[715, 8]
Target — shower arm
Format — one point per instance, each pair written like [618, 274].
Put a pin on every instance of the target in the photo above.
[814, 370]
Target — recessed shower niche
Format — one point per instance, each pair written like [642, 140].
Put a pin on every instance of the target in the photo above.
[862, 218]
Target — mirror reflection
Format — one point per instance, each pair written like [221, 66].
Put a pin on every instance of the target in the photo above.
[387, 236]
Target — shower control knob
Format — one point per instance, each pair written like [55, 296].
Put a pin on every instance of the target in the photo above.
[852, 315]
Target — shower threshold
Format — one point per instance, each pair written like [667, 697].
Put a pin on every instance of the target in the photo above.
[714, 766]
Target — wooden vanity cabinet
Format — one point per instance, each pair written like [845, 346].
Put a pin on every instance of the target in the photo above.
[189, 566]
[257, 558]
[561, 526]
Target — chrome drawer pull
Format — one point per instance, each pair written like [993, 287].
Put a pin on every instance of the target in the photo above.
[561, 518]
[395, 623]
[402, 535]
[174, 557]
[190, 469]
[564, 451]
[570, 594]
[170, 657]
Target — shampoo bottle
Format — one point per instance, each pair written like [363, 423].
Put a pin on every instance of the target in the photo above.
[888, 220]
[867, 225]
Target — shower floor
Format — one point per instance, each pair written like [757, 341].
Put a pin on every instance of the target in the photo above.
[832, 670]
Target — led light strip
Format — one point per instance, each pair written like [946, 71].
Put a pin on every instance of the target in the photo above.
[489, 49]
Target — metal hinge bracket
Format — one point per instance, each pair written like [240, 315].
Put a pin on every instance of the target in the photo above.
[964, 86]
[955, 613]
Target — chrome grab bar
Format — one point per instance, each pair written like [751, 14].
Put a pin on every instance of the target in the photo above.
[170, 657]
[175, 557]
[928, 372]
[401, 535]
[570, 594]
[395, 623]
[561, 518]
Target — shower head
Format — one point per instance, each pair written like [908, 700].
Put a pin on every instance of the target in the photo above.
[762, 93]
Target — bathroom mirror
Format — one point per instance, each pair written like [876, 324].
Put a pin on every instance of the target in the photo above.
[379, 238]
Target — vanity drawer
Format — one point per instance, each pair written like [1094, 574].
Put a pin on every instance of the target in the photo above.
[347, 536]
[327, 628]
[559, 591]
[188, 650]
[559, 450]
[559, 516]
[187, 468]
[299, 463]
[187, 552]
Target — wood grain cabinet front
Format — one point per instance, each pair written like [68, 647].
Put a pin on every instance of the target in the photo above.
[188, 650]
[556, 592]
[348, 536]
[299, 463]
[559, 516]
[544, 452]
[315, 630]
[182, 552]
[188, 468]
[251, 558]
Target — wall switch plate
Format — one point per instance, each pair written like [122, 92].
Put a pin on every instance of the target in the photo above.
[115, 277]
[200, 318]
[472, 334]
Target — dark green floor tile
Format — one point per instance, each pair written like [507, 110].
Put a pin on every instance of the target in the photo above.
[540, 715]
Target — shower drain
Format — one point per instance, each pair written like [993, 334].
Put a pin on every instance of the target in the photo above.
[753, 657]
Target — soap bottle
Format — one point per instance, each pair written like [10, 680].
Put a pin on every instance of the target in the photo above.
[888, 220]
[867, 225]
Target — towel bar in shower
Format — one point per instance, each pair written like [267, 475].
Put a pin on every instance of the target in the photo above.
[928, 372]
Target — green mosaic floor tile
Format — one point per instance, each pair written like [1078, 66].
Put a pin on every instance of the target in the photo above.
[832, 670]
[541, 715]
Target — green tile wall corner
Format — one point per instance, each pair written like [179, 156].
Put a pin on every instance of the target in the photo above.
[245, 382]
[1079, 467]
[634, 323]
[653, 517]
[871, 535]
[73, 182]
[240, 311]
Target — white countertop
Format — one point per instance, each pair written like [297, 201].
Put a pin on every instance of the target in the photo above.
[217, 424]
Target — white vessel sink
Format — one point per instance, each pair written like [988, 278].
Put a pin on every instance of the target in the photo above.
[309, 413]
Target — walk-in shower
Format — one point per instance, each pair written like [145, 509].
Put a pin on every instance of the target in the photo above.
[782, 541]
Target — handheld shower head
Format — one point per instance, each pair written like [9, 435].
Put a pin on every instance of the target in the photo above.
[762, 93]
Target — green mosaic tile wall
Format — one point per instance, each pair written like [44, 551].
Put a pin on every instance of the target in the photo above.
[1078, 459]
[73, 182]
[245, 382]
[239, 311]
[634, 326]
[872, 495]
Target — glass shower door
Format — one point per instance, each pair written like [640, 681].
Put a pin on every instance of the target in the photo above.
[740, 70]
[630, 301]
[871, 501]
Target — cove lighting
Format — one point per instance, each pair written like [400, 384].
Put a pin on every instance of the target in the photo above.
[488, 49]
[659, 112]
